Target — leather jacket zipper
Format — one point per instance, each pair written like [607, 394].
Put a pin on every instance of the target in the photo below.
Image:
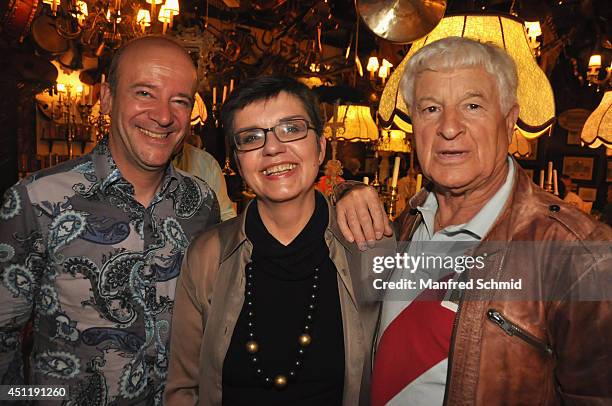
[513, 330]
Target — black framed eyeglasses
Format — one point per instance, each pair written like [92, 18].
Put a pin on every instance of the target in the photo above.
[286, 131]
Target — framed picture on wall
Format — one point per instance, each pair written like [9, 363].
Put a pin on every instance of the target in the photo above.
[588, 194]
[578, 167]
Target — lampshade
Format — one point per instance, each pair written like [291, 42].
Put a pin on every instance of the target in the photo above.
[173, 6]
[356, 124]
[535, 96]
[533, 28]
[383, 72]
[198, 113]
[82, 8]
[156, 1]
[532, 135]
[598, 127]
[165, 15]
[143, 17]
[393, 141]
[402, 124]
[372, 64]
[523, 144]
[595, 61]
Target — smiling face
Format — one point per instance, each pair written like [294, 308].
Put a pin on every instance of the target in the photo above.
[151, 107]
[279, 172]
[461, 134]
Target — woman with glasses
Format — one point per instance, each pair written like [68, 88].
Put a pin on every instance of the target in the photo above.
[269, 307]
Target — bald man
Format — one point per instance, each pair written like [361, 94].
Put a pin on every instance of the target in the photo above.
[90, 250]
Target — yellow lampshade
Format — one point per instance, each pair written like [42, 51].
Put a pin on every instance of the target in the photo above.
[143, 17]
[372, 64]
[597, 129]
[356, 124]
[383, 72]
[402, 124]
[173, 6]
[533, 28]
[595, 61]
[535, 95]
[82, 11]
[393, 141]
[198, 113]
[165, 15]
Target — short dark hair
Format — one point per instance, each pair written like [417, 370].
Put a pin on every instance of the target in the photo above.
[265, 88]
[113, 70]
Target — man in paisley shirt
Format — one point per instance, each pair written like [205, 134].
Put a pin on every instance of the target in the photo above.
[90, 249]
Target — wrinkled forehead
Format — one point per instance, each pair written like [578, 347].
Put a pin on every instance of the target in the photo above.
[474, 79]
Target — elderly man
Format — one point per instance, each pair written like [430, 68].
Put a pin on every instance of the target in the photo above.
[90, 249]
[548, 341]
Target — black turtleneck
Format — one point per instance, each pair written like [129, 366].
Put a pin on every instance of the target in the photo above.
[283, 283]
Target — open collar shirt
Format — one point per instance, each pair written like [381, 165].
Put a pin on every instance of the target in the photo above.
[95, 272]
[428, 388]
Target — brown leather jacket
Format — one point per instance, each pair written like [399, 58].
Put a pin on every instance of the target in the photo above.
[524, 351]
[210, 295]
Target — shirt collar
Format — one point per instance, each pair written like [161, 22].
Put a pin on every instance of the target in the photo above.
[108, 173]
[481, 223]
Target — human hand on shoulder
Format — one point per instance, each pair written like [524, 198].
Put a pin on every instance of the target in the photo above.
[361, 216]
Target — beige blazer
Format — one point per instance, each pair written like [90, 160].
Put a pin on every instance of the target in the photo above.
[210, 295]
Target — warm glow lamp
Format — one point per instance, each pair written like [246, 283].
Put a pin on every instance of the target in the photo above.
[597, 129]
[356, 124]
[393, 141]
[535, 96]
[173, 6]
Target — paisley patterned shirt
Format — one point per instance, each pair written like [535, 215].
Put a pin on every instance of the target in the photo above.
[95, 271]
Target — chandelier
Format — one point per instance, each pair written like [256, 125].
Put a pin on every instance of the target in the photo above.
[100, 26]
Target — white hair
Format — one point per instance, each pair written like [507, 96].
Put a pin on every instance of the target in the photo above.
[457, 53]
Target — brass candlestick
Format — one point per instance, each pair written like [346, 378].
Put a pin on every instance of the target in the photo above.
[376, 183]
[392, 202]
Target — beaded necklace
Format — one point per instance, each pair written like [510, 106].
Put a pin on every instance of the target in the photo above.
[279, 380]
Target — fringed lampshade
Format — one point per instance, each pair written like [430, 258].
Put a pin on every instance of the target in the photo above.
[393, 141]
[356, 124]
[535, 95]
[598, 127]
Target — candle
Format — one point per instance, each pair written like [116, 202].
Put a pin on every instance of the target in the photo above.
[102, 79]
[214, 99]
[91, 90]
[396, 167]
[336, 111]
[556, 185]
[419, 182]
[542, 178]
[224, 93]
[231, 85]
[550, 173]
[366, 180]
